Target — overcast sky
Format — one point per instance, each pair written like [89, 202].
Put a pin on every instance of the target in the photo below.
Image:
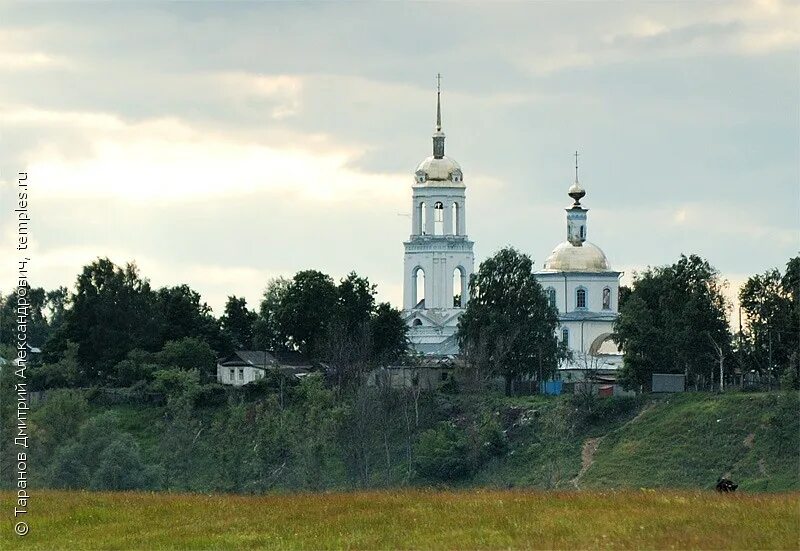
[220, 145]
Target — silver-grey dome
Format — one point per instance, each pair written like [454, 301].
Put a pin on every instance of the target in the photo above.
[439, 171]
[567, 257]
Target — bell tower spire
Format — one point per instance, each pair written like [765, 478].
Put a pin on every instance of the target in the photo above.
[438, 135]
[576, 214]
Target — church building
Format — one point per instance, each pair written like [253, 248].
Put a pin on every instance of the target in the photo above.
[581, 285]
[438, 257]
[439, 261]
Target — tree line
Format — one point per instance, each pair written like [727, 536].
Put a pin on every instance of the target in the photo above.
[115, 329]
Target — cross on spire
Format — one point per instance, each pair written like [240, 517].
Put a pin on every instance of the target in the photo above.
[576, 166]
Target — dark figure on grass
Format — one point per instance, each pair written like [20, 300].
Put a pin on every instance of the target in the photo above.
[725, 485]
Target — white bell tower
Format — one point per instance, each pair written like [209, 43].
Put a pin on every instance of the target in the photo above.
[438, 255]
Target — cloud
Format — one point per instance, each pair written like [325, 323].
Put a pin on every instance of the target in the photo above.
[167, 160]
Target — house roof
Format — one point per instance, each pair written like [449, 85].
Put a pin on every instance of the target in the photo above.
[266, 359]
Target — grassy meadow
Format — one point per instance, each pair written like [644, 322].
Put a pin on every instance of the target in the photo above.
[411, 519]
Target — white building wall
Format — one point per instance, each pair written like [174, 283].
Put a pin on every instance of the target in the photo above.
[585, 325]
[570, 282]
[436, 253]
[238, 375]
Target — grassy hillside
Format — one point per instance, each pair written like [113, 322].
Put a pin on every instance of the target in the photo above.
[249, 444]
[409, 519]
[689, 440]
[677, 441]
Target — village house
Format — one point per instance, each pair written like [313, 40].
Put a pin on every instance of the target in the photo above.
[247, 366]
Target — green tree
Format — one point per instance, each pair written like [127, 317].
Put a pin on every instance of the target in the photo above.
[674, 321]
[508, 328]
[268, 332]
[189, 353]
[38, 328]
[138, 366]
[67, 469]
[237, 322]
[59, 418]
[113, 311]
[121, 467]
[66, 372]
[771, 336]
[442, 453]
[307, 309]
[389, 333]
[355, 302]
[182, 313]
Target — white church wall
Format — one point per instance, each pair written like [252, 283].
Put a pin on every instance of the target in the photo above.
[593, 284]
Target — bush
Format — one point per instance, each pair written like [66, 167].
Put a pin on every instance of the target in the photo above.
[442, 453]
[212, 394]
[68, 469]
[121, 468]
[137, 367]
[177, 386]
[59, 418]
[491, 438]
[189, 354]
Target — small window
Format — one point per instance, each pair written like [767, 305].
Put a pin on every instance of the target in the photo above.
[580, 296]
[233, 371]
[583, 232]
[417, 321]
[606, 299]
[551, 296]
[565, 336]
[241, 374]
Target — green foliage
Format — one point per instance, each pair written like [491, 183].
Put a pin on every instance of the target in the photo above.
[442, 453]
[67, 469]
[268, 333]
[237, 322]
[138, 366]
[180, 387]
[690, 440]
[306, 310]
[101, 456]
[43, 314]
[66, 372]
[113, 311]
[188, 354]
[674, 322]
[310, 438]
[182, 313]
[338, 324]
[59, 418]
[389, 333]
[770, 343]
[508, 328]
[121, 468]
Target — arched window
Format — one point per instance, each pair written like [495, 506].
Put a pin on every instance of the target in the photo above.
[421, 218]
[580, 298]
[550, 293]
[416, 322]
[418, 288]
[455, 219]
[438, 218]
[459, 286]
[606, 298]
[565, 336]
[583, 232]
